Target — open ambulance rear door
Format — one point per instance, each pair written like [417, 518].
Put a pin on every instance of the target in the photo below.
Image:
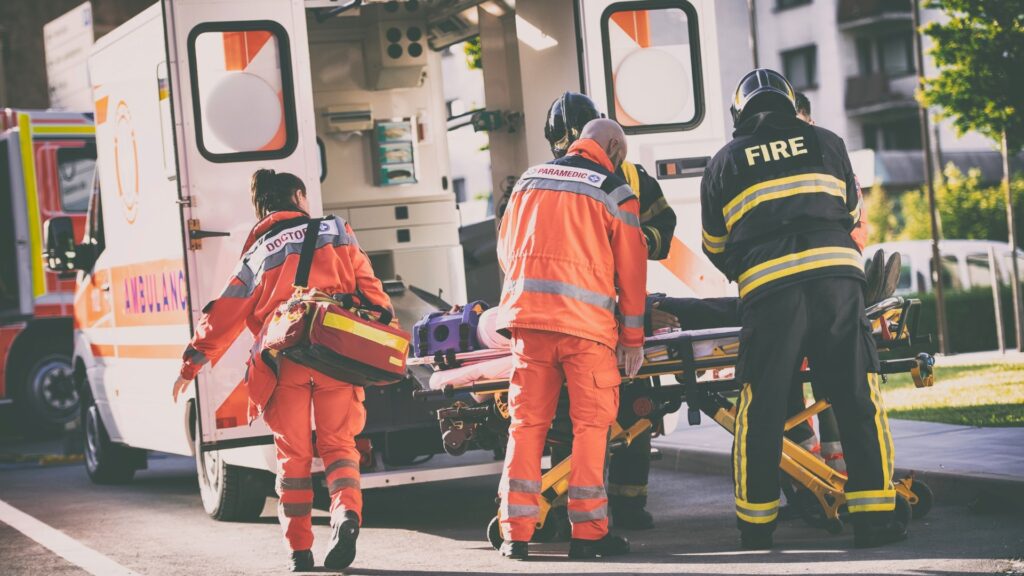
[242, 100]
[654, 66]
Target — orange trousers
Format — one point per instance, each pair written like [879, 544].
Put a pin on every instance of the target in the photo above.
[339, 414]
[543, 361]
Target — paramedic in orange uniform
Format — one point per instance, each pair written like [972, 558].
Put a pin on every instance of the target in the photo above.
[262, 281]
[570, 242]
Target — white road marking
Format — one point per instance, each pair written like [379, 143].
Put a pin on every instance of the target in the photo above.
[61, 544]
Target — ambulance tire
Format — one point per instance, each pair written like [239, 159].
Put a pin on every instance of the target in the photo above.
[105, 461]
[229, 493]
[43, 390]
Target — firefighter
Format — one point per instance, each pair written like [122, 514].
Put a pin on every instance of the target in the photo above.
[777, 206]
[628, 469]
[571, 243]
[261, 283]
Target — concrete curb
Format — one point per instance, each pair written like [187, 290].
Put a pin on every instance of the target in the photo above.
[982, 493]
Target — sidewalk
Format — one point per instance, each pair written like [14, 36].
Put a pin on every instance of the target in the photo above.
[959, 453]
[986, 357]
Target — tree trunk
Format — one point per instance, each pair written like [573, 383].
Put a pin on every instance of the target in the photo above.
[1005, 149]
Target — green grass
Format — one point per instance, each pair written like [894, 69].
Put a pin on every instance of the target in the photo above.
[982, 395]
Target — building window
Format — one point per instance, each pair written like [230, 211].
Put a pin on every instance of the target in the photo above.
[652, 65]
[801, 67]
[896, 134]
[787, 4]
[896, 53]
[865, 56]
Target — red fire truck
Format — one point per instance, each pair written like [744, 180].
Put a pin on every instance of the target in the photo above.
[47, 162]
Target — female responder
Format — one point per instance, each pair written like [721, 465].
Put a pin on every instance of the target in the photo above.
[263, 281]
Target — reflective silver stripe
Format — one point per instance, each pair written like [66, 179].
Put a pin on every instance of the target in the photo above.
[341, 483]
[589, 191]
[758, 513]
[524, 486]
[621, 194]
[586, 492]
[238, 291]
[748, 281]
[633, 321]
[294, 483]
[852, 502]
[296, 509]
[599, 513]
[563, 289]
[521, 511]
[753, 197]
[341, 464]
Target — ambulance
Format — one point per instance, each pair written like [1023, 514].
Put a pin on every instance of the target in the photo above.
[192, 96]
[47, 160]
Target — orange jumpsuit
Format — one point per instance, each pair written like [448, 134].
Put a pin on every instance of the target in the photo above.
[570, 243]
[264, 280]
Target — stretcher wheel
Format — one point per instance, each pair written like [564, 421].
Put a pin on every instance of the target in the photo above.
[834, 527]
[903, 511]
[925, 499]
[494, 533]
[556, 526]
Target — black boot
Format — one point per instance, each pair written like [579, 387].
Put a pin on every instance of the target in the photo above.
[343, 542]
[877, 529]
[756, 536]
[301, 561]
[610, 545]
[515, 550]
[631, 517]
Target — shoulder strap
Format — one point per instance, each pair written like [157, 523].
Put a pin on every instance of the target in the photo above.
[306, 256]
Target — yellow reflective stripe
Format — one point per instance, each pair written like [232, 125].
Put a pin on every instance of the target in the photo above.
[796, 263]
[655, 246]
[632, 176]
[854, 508]
[739, 463]
[759, 193]
[714, 244]
[757, 512]
[35, 224]
[870, 494]
[885, 445]
[65, 129]
[871, 500]
[365, 331]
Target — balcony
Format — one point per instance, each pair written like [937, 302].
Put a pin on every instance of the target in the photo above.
[856, 14]
[878, 93]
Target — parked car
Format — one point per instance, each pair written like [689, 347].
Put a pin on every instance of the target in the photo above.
[965, 263]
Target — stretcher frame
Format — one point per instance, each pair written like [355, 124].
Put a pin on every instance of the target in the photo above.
[894, 321]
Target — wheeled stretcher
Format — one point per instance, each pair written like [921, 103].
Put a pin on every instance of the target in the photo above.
[702, 363]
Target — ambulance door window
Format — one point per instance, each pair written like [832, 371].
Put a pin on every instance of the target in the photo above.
[652, 65]
[94, 225]
[75, 169]
[242, 95]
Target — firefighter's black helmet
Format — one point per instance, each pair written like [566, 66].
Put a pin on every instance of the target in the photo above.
[761, 84]
[566, 119]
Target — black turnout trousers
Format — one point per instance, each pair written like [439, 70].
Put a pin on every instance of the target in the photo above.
[822, 319]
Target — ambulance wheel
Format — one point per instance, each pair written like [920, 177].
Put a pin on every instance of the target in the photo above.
[44, 391]
[105, 461]
[229, 493]
[494, 533]
[925, 499]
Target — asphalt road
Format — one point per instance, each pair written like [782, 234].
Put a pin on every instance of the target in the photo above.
[156, 526]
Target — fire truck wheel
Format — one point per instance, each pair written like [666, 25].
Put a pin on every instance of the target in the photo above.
[45, 392]
[105, 461]
[229, 493]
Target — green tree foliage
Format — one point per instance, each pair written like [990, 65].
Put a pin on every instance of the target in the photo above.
[474, 53]
[967, 210]
[979, 51]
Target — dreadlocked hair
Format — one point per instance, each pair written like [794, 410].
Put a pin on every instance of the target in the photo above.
[273, 191]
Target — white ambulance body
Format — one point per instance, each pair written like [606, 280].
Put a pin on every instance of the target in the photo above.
[192, 96]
